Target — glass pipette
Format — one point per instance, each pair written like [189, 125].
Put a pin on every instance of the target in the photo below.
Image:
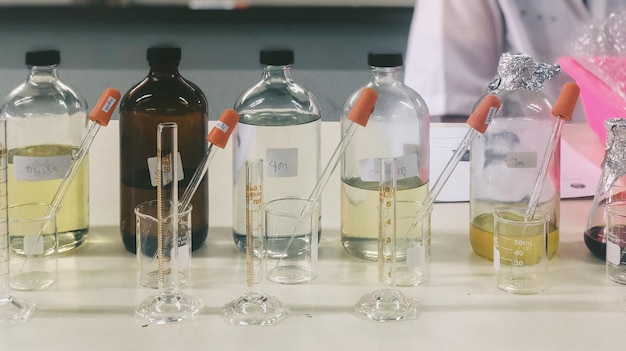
[358, 115]
[478, 121]
[562, 110]
[99, 116]
[218, 136]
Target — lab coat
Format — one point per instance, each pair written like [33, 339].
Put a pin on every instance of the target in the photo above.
[454, 45]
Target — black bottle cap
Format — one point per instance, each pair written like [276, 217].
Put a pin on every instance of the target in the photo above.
[385, 60]
[167, 55]
[43, 58]
[276, 57]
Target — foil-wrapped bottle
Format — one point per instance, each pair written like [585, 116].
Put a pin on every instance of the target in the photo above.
[611, 187]
[505, 161]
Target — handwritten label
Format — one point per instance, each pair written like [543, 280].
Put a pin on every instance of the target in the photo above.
[281, 162]
[521, 160]
[167, 175]
[406, 167]
[40, 168]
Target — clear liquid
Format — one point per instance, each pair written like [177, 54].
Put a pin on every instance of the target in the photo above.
[251, 142]
[359, 215]
[73, 217]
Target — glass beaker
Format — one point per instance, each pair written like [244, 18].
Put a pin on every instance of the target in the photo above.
[519, 251]
[611, 186]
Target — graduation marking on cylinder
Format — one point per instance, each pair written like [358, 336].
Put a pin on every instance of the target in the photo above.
[387, 221]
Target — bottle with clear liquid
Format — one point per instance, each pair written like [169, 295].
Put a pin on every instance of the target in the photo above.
[162, 96]
[46, 122]
[506, 160]
[399, 128]
[280, 123]
[611, 187]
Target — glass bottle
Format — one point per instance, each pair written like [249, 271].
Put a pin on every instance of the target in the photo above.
[506, 160]
[163, 96]
[280, 123]
[398, 128]
[47, 121]
[611, 187]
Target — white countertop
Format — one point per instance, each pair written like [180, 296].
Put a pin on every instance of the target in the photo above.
[91, 307]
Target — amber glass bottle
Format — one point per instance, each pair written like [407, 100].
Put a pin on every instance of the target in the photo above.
[163, 96]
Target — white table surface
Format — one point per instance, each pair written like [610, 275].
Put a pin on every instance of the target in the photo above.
[91, 306]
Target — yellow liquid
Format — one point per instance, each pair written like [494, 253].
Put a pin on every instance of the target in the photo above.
[73, 217]
[359, 215]
[481, 237]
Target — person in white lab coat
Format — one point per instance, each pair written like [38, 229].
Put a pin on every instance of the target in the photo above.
[454, 45]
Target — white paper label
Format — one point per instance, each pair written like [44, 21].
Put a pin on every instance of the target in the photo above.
[167, 175]
[415, 256]
[281, 162]
[41, 168]
[521, 160]
[496, 258]
[613, 252]
[33, 244]
[406, 167]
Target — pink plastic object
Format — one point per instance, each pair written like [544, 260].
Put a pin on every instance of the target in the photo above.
[599, 101]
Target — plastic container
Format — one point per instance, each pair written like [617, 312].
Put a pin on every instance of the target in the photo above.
[398, 128]
[163, 96]
[46, 122]
[280, 123]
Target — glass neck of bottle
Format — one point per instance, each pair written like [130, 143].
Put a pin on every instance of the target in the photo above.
[277, 74]
[386, 75]
[43, 74]
[163, 71]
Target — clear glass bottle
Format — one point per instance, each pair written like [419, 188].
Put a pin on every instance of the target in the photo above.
[46, 122]
[506, 159]
[611, 187]
[163, 96]
[398, 127]
[280, 123]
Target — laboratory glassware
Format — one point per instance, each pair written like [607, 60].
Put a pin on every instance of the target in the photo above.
[616, 241]
[34, 250]
[398, 127]
[519, 253]
[99, 116]
[47, 119]
[255, 307]
[611, 186]
[147, 258]
[505, 161]
[12, 309]
[358, 116]
[414, 269]
[169, 305]
[280, 123]
[387, 303]
[163, 96]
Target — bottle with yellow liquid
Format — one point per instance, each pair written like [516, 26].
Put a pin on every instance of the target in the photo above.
[505, 161]
[46, 122]
[398, 128]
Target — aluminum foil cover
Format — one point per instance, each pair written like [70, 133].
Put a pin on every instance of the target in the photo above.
[520, 71]
[615, 157]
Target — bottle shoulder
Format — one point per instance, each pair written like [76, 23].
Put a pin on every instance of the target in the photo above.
[395, 102]
[271, 103]
[164, 96]
[44, 99]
